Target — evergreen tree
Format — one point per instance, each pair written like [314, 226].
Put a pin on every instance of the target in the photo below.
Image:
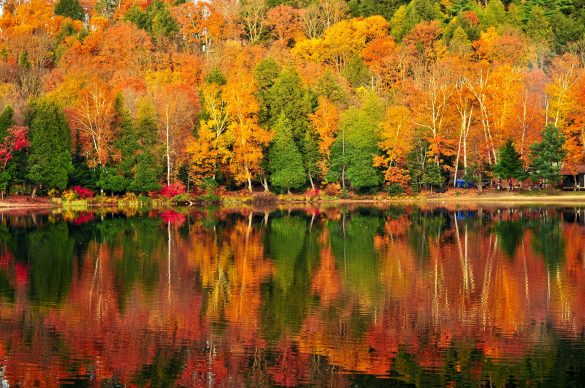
[546, 156]
[432, 176]
[386, 8]
[148, 167]
[328, 86]
[356, 144]
[118, 177]
[509, 165]
[265, 74]
[70, 8]
[50, 146]
[6, 121]
[156, 19]
[537, 26]
[459, 42]
[357, 73]
[288, 96]
[285, 162]
[494, 14]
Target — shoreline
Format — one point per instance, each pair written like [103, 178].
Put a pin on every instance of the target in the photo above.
[559, 199]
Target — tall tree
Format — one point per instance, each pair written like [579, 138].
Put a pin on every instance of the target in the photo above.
[356, 143]
[70, 8]
[148, 168]
[547, 155]
[285, 162]
[50, 147]
[509, 165]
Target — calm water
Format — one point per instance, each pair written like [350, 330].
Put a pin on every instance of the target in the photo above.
[327, 297]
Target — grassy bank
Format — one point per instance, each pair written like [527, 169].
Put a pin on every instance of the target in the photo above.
[551, 197]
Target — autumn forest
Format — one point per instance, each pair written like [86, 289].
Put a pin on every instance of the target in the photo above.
[140, 96]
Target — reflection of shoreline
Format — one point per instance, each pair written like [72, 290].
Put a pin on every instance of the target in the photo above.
[401, 292]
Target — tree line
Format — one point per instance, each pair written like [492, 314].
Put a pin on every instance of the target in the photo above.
[363, 95]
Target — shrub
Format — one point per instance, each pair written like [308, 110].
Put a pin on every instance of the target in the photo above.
[82, 192]
[53, 193]
[395, 189]
[332, 189]
[312, 192]
[172, 190]
[69, 195]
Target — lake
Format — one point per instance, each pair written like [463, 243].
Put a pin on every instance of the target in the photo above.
[338, 296]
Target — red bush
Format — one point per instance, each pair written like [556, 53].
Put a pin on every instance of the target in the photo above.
[172, 190]
[82, 192]
[312, 192]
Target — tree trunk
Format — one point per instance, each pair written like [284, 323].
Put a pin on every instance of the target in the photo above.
[265, 184]
[34, 192]
[311, 181]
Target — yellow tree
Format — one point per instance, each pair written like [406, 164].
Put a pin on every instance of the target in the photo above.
[342, 41]
[324, 122]
[247, 137]
[210, 149]
[92, 117]
[561, 99]
[396, 139]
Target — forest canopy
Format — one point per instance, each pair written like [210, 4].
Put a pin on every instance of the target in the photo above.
[135, 95]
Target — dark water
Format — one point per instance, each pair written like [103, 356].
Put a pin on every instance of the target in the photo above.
[394, 296]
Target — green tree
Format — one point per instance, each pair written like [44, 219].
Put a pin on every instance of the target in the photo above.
[156, 19]
[288, 96]
[432, 176]
[285, 162]
[356, 144]
[6, 121]
[265, 74]
[494, 14]
[50, 146]
[546, 156]
[118, 176]
[459, 43]
[328, 86]
[148, 165]
[70, 8]
[509, 165]
[357, 72]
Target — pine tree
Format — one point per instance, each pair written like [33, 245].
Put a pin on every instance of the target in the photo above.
[328, 86]
[509, 165]
[459, 42]
[118, 177]
[70, 8]
[546, 156]
[537, 26]
[494, 14]
[50, 146]
[432, 176]
[288, 96]
[6, 121]
[285, 162]
[148, 168]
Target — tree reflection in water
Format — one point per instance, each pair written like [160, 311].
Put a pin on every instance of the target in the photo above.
[322, 296]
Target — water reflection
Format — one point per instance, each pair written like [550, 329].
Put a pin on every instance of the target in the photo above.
[331, 296]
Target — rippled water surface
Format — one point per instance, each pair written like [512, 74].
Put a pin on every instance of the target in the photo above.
[316, 296]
